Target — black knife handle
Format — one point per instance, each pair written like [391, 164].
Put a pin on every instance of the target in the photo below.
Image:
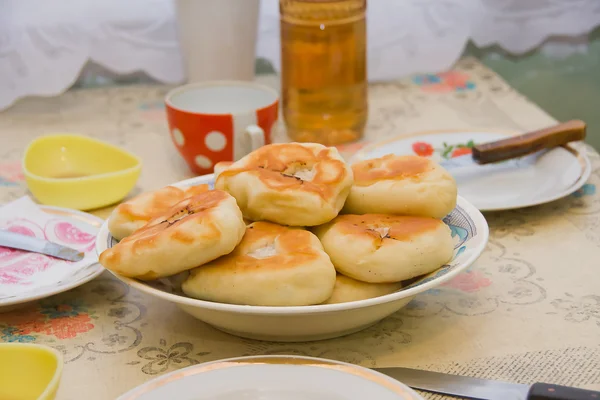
[545, 391]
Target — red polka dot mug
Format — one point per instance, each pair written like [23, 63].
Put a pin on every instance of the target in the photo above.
[218, 121]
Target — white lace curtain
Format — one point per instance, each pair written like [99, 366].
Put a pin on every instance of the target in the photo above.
[44, 44]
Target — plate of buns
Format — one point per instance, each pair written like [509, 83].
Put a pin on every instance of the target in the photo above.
[292, 243]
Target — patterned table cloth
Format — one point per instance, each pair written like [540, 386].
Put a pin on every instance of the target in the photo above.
[528, 310]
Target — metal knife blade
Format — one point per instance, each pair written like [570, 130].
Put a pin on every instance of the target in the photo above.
[463, 386]
[36, 245]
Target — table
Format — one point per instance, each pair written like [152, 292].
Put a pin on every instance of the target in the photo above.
[529, 310]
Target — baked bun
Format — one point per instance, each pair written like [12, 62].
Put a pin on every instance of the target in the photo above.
[132, 214]
[194, 231]
[386, 248]
[220, 167]
[347, 289]
[401, 185]
[274, 265]
[296, 184]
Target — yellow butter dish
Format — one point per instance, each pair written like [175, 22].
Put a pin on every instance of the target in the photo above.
[78, 172]
[29, 371]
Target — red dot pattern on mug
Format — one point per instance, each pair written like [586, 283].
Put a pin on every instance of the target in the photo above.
[178, 137]
[202, 140]
[214, 141]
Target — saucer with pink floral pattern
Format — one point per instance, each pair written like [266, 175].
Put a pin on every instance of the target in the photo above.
[26, 276]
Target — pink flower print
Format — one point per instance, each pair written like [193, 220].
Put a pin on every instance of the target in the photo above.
[24, 227]
[422, 149]
[5, 251]
[24, 268]
[25, 321]
[62, 322]
[71, 234]
[68, 327]
[11, 173]
[7, 278]
[8, 254]
[461, 151]
[445, 82]
[21, 230]
[60, 231]
[469, 282]
[454, 79]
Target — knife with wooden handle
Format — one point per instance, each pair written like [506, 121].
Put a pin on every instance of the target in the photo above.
[521, 145]
[483, 389]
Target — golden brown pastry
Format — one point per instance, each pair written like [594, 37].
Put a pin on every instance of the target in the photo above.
[194, 231]
[132, 214]
[273, 265]
[296, 184]
[221, 166]
[401, 185]
[347, 289]
[386, 248]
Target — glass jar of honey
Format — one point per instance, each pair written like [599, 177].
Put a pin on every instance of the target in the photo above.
[323, 70]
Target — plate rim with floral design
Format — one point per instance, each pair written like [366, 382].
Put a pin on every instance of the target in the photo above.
[399, 389]
[576, 149]
[83, 274]
[474, 229]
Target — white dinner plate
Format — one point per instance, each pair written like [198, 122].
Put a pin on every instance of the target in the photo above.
[536, 179]
[273, 378]
[22, 286]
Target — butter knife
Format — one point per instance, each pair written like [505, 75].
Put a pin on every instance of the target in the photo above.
[36, 245]
[483, 389]
[519, 146]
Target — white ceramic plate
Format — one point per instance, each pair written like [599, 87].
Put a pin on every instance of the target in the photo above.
[317, 322]
[273, 378]
[42, 284]
[529, 181]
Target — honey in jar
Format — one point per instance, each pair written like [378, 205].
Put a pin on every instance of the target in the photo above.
[323, 70]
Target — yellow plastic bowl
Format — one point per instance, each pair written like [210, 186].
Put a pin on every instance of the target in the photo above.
[79, 172]
[29, 371]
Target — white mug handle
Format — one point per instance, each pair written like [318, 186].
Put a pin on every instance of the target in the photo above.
[257, 136]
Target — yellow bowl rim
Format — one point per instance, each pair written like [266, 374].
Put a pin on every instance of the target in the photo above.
[31, 175]
[54, 382]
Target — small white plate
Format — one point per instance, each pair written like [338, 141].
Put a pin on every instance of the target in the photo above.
[532, 180]
[42, 285]
[273, 378]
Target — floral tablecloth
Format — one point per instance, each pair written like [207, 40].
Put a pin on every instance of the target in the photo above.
[529, 310]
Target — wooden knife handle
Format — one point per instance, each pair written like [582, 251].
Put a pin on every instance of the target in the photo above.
[518, 146]
[544, 391]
